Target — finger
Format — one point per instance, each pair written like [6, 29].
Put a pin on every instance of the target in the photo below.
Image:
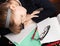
[35, 12]
[34, 16]
[29, 17]
[40, 9]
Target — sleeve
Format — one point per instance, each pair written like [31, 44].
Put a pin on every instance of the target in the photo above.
[48, 10]
[4, 31]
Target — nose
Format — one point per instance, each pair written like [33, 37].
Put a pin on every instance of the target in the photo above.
[21, 26]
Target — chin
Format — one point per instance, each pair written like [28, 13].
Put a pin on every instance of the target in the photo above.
[15, 31]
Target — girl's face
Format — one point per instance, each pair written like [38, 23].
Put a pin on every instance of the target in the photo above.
[18, 17]
[18, 14]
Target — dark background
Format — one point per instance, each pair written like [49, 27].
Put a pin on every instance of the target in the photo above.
[55, 2]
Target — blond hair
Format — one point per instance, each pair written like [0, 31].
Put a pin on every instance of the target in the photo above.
[4, 10]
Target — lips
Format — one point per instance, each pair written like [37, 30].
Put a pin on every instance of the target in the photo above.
[17, 29]
[21, 26]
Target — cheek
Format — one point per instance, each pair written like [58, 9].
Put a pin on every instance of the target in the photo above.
[23, 17]
[17, 20]
[14, 27]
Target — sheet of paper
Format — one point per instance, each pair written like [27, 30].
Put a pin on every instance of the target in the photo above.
[58, 17]
[19, 37]
[41, 25]
[54, 32]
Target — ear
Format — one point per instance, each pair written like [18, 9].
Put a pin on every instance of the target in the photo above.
[37, 11]
[12, 7]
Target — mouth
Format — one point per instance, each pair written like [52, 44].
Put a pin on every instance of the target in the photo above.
[19, 29]
[21, 26]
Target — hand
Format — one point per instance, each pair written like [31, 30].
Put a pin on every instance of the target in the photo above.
[29, 16]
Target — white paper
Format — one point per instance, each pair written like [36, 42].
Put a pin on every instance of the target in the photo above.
[41, 25]
[58, 17]
[54, 32]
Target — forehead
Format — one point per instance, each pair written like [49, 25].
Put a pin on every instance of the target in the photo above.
[23, 10]
[12, 1]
